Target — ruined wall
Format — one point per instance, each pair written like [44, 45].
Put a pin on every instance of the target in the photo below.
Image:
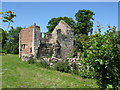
[36, 40]
[45, 50]
[29, 40]
[25, 40]
[59, 44]
[63, 33]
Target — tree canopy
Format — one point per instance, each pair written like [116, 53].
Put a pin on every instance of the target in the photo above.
[54, 21]
[10, 40]
[84, 23]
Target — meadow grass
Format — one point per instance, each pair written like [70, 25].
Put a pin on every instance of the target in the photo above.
[19, 74]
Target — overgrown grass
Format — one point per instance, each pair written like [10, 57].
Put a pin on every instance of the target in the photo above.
[19, 74]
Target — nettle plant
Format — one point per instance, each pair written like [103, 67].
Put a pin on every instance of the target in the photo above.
[101, 56]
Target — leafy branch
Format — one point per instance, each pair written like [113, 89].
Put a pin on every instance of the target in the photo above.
[7, 17]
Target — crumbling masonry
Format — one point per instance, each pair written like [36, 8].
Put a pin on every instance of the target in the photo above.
[58, 44]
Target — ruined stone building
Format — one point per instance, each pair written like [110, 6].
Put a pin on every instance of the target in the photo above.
[58, 44]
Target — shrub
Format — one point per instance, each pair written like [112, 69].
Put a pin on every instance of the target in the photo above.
[3, 51]
[75, 68]
[43, 64]
[31, 61]
[101, 53]
[62, 67]
[86, 71]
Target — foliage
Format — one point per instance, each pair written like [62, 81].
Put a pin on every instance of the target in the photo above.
[3, 40]
[3, 51]
[86, 71]
[54, 21]
[101, 56]
[12, 44]
[8, 17]
[3, 37]
[75, 68]
[9, 40]
[31, 61]
[43, 64]
[62, 67]
[84, 22]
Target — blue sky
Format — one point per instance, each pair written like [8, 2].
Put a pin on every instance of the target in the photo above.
[28, 13]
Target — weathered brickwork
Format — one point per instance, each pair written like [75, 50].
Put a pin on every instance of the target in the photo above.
[25, 37]
[58, 44]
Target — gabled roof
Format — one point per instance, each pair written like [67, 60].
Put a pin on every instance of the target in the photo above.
[63, 22]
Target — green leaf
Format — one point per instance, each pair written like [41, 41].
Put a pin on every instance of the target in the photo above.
[5, 20]
[100, 61]
[5, 17]
[1, 12]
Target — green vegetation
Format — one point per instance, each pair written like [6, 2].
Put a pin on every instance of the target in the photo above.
[10, 40]
[8, 17]
[43, 64]
[54, 21]
[62, 67]
[101, 57]
[19, 74]
[84, 23]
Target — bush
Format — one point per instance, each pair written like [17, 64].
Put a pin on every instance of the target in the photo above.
[75, 68]
[3, 51]
[62, 67]
[101, 53]
[31, 61]
[86, 72]
[43, 64]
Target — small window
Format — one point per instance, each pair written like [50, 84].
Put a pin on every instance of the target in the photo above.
[30, 50]
[23, 46]
[58, 31]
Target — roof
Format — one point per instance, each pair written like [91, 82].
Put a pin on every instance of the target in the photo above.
[28, 28]
[63, 22]
[31, 27]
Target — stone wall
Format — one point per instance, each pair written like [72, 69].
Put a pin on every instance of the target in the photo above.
[59, 44]
[45, 50]
[36, 40]
[63, 33]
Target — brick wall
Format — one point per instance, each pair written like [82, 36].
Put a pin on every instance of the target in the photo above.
[26, 37]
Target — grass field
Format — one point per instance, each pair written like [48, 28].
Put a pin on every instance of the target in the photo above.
[19, 74]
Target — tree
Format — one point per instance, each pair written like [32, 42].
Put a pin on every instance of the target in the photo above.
[101, 56]
[3, 37]
[8, 17]
[12, 45]
[54, 21]
[3, 40]
[84, 24]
